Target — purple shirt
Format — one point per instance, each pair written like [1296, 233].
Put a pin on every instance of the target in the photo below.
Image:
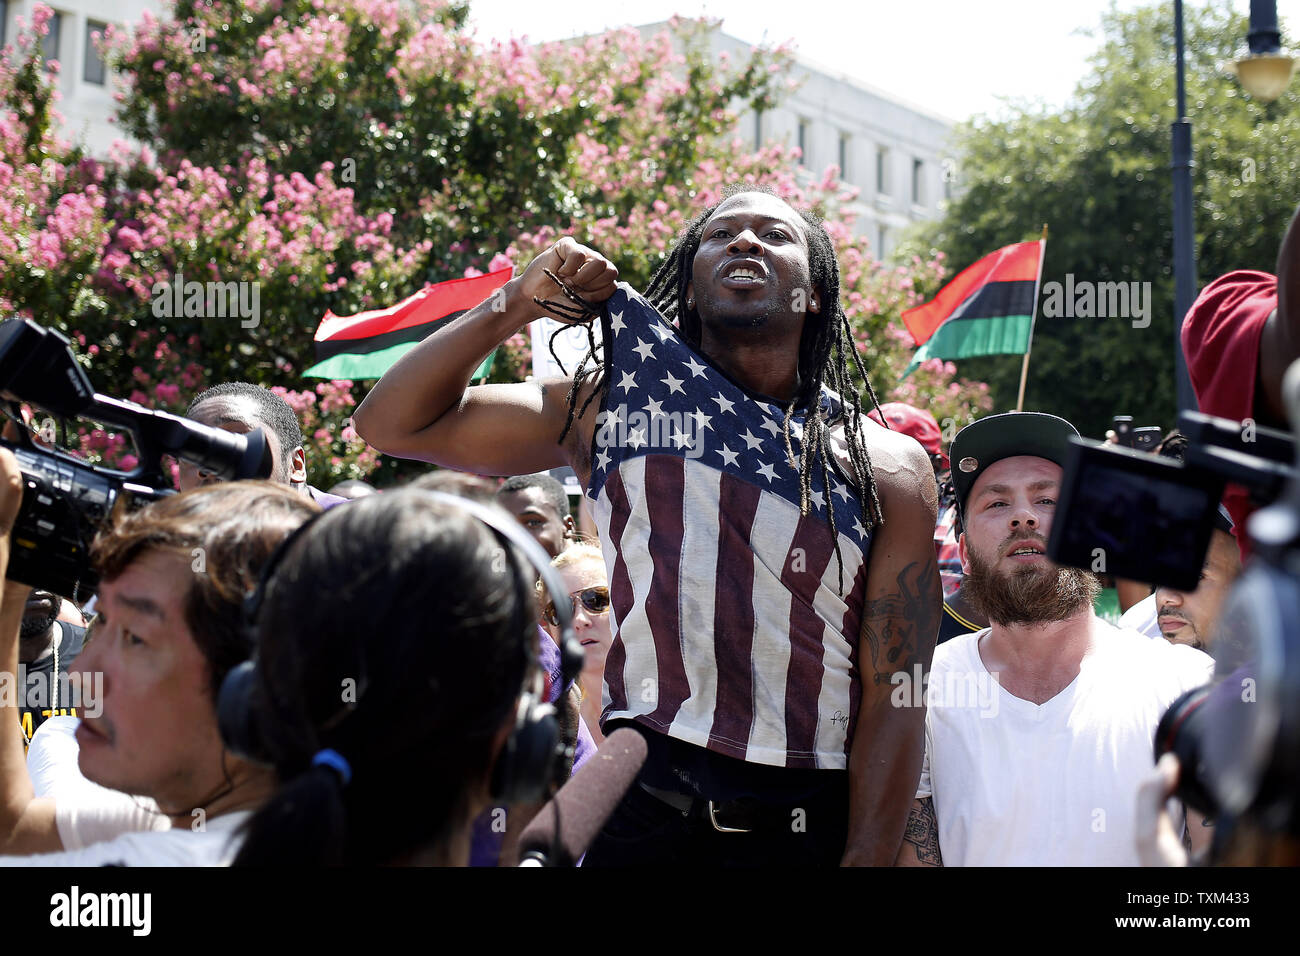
[485, 846]
[325, 499]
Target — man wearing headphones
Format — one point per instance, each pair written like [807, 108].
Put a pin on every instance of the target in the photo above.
[168, 630]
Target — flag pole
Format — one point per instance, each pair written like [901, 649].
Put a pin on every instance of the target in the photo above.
[1033, 315]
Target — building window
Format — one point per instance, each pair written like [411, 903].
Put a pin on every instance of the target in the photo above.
[918, 177]
[93, 65]
[844, 156]
[50, 42]
[4, 20]
[882, 171]
[758, 129]
[804, 158]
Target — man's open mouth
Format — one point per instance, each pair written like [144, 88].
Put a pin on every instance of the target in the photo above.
[1026, 550]
[91, 732]
[744, 275]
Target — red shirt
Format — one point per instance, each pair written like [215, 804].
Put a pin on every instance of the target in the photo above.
[1221, 336]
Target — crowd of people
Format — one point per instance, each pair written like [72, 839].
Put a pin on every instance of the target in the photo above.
[841, 638]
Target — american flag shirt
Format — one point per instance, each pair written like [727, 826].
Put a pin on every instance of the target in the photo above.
[730, 630]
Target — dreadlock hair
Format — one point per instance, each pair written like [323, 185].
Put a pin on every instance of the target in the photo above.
[825, 347]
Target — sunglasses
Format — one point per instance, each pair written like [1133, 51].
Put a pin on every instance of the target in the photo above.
[594, 600]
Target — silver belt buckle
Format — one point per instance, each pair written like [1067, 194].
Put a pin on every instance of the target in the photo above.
[713, 818]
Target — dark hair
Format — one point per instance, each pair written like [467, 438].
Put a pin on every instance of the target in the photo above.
[226, 533]
[553, 490]
[272, 410]
[409, 668]
[824, 350]
[457, 483]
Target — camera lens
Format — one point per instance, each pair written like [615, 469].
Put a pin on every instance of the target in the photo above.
[1181, 731]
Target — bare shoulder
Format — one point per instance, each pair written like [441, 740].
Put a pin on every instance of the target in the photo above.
[902, 469]
[897, 456]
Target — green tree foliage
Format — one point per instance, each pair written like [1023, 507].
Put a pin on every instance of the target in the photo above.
[1098, 172]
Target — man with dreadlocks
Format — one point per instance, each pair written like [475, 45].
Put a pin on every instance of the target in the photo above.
[772, 576]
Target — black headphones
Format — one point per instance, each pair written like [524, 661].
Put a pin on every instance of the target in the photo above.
[533, 758]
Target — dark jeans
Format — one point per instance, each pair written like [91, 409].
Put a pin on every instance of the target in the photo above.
[804, 820]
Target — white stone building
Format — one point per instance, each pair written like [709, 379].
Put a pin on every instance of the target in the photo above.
[85, 83]
[895, 153]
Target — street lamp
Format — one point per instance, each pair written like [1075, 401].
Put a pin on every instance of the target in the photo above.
[1266, 72]
[1184, 231]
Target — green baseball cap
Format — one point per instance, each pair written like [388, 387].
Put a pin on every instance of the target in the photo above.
[989, 440]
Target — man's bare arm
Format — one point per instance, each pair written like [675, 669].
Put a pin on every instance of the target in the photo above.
[27, 824]
[421, 408]
[921, 837]
[899, 624]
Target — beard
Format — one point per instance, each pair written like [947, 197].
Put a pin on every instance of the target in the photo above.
[732, 315]
[1030, 595]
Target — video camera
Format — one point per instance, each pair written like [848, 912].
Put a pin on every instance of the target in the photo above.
[1237, 738]
[1148, 518]
[66, 500]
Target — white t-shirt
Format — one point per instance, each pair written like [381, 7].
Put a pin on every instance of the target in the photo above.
[1022, 784]
[1142, 617]
[210, 846]
[84, 812]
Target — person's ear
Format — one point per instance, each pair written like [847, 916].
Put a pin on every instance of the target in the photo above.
[690, 295]
[570, 529]
[298, 467]
[962, 553]
[814, 303]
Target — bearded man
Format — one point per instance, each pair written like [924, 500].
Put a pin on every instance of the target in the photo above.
[1039, 727]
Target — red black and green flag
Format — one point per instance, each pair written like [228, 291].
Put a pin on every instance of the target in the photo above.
[988, 309]
[367, 344]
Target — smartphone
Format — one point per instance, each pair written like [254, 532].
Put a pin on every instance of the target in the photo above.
[1123, 428]
[1146, 438]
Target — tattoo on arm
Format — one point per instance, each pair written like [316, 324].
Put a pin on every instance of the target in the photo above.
[896, 623]
[923, 832]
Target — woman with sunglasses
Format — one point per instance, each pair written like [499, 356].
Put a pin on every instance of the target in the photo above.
[582, 567]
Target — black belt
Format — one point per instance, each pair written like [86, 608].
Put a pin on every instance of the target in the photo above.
[741, 815]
